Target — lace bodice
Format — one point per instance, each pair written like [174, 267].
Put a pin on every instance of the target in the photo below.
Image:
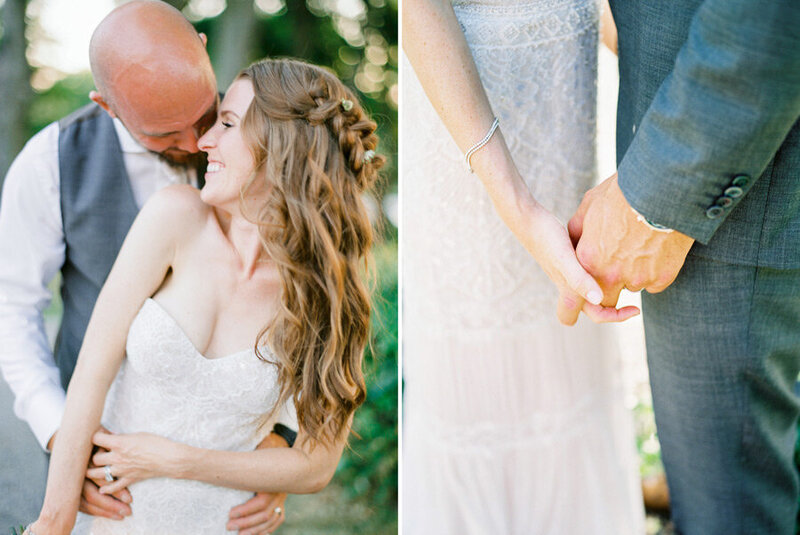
[166, 387]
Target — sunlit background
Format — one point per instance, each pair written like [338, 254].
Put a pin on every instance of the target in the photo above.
[44, 75]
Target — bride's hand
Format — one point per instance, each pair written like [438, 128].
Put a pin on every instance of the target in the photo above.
[543, 236]
[131, 458]
[550, 245]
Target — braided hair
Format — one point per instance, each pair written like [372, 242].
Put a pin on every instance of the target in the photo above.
[315, 147]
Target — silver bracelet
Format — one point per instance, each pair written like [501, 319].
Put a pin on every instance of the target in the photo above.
[481, 143]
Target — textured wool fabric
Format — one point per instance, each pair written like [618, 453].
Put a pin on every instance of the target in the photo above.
[723, 346]
[97, 209]
[710, 91]
[709, 144]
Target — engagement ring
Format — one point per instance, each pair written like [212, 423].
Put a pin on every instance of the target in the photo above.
[278, 510]
[107, 470]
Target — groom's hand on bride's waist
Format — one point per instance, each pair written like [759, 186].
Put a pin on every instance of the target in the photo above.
[264, 512]
[622, 250]
[113, 506]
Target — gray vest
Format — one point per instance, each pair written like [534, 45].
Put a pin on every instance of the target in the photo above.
[97, 210]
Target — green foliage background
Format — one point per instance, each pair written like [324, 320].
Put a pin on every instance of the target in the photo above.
[370, 465]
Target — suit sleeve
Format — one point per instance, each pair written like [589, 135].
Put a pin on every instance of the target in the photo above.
[719, 117]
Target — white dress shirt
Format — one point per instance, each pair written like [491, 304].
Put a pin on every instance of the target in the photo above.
[32, 252]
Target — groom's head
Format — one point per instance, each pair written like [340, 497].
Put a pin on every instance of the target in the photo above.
[152, 71]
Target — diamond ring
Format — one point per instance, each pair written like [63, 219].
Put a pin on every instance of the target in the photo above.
[107, 470]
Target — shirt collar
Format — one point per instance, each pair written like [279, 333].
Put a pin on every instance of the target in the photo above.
[126, 141]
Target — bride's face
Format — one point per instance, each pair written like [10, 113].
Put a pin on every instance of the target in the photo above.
[230, 162]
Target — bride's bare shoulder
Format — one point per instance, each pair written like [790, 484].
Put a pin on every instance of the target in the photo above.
[178, 201]
[177, 208]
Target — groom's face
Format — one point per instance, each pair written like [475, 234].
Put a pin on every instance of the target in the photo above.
[170, 125]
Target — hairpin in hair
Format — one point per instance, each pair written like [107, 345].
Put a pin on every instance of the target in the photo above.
[347, 105]
[369, 156]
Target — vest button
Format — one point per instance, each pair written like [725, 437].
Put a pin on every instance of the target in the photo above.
[714, 212]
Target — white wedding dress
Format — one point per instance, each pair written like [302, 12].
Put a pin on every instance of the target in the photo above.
[166, 387]
[513, 424]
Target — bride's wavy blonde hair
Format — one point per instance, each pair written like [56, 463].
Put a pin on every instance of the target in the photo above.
[314, 145]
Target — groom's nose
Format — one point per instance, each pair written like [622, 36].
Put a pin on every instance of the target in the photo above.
[187, 140]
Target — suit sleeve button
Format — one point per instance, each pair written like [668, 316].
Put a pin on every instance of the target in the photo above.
[734, 192]
[724, 201]
[741, 181]
[714, 212]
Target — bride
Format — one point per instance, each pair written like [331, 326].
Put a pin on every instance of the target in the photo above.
[513, 423]
[223, 307]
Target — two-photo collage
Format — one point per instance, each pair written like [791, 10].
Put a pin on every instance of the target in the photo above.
[400, 267]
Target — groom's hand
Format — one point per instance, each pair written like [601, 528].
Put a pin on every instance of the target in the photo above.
[264, 512]
[621, 251]
[113, 506]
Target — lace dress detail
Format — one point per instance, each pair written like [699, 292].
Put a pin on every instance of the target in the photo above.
[166, 387]
[512, 423]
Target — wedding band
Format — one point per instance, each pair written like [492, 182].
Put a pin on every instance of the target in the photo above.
[278, 510]
[107, 470]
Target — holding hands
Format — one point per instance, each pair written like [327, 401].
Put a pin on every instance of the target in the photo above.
[547, 241]
[616, 251]
[620, 250]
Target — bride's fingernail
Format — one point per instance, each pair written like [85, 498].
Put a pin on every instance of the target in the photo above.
[594, 297]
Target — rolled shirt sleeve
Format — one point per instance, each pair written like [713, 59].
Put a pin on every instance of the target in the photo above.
[288, 415]
[32, 252]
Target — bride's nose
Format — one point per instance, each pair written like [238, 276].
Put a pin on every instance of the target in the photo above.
[208, 140]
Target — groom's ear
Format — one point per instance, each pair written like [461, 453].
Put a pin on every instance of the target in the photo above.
[98, 99]
[203, 38]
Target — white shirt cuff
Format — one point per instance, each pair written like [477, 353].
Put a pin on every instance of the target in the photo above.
[44, 414]
[287, 415]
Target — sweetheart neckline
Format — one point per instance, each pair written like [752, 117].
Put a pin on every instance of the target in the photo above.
[191, 344]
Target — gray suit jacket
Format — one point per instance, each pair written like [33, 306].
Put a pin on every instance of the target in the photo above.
[708, 137]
